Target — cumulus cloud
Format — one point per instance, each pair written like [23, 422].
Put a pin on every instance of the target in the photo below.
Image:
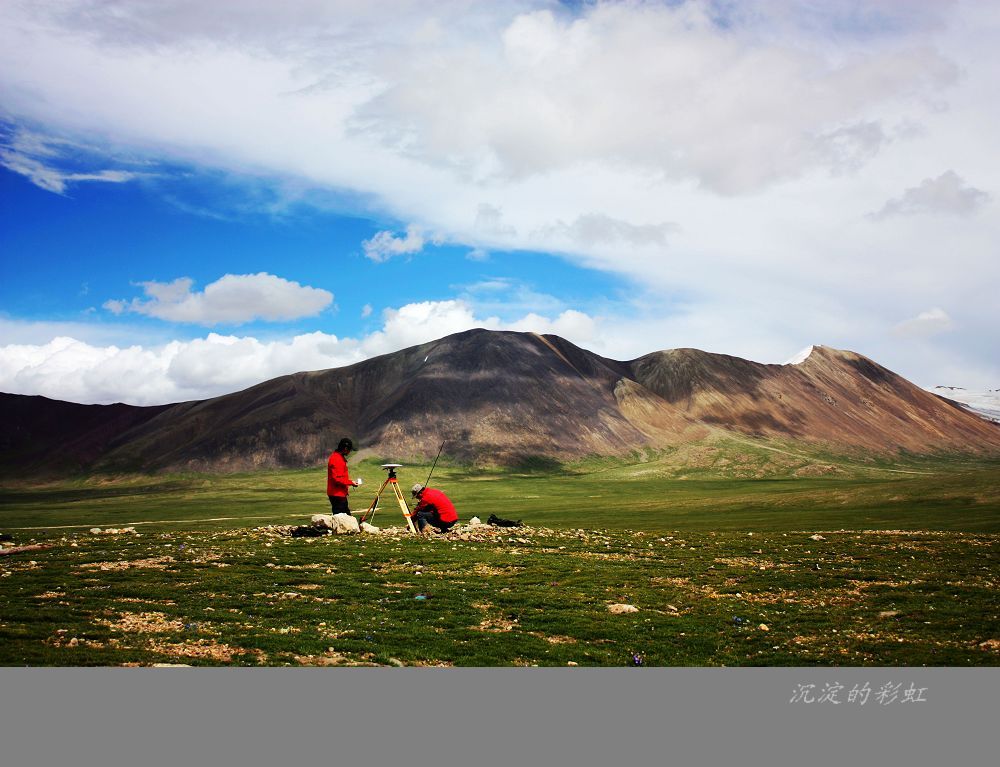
[385, 245]
[928, 323]
[948, 194]
[69, 369]
[232, 299]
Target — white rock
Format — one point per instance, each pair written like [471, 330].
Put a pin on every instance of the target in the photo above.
[95, 530]
[370, 528]
[323, 520]
[475, 522]
[817, 537]
[619, 609]
[345, 523]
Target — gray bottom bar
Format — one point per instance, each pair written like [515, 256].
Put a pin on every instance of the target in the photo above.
[498, 716]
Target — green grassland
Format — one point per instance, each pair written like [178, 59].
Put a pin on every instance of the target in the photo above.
[749, 556]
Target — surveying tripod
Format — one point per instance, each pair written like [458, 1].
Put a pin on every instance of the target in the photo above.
[391, 481]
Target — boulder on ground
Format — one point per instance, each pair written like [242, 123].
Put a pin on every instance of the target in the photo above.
[323, 520]
[345, 523]
[619, 609]
[476, 522]
[370, 528]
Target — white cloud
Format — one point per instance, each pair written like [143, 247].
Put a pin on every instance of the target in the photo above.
[928, 323]
[69, 369]
[385, 245]
[764, 137]
[478, 254]
[366, 311]
[232, 299]
[948, 193]
[592, 228]
[651, 86]
[37, 157]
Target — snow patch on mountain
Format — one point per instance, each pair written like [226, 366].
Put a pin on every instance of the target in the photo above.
[985, 404]
[802, 356]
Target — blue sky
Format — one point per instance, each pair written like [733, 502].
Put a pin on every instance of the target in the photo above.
[198, 197]
[67, 255]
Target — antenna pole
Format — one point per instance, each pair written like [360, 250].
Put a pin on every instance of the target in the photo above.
[434, 464]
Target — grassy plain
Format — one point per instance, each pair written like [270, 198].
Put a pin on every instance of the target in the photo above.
[868, 564]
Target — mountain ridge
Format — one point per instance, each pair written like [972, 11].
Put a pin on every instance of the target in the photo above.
[497, 397]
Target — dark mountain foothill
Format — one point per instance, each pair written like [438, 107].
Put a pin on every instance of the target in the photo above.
[499, 397]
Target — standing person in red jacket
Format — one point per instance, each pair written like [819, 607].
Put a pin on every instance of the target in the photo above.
[338, 481]
[433, 508]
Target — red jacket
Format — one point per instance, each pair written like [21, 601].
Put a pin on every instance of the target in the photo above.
[338, 481]
[435, 499]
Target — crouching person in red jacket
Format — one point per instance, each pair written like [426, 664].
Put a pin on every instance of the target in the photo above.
[433, 508]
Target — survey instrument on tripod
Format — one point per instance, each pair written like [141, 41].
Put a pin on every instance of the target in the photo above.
[390, 481]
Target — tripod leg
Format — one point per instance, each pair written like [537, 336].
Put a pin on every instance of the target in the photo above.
[402, 505]
[370, 514]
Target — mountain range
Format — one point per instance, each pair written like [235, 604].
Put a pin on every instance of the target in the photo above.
[499, 397]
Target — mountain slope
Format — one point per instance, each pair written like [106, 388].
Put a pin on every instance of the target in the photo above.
[501, 397]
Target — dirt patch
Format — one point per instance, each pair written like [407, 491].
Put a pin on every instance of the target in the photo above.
[152, 563]
[492, 624]
[206, 649]
[818, 470]
[754, 564]
[495, 625]
[137, 601]
[143, 623]
[481, 569]
[557, 639]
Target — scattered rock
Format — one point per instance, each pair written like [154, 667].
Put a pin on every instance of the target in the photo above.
[365, 527]
[322, 520]
[672, 609]
[113, 531]
[572, 663]
[888, 614]
[817, 537]
[763, 627]
[990, 644]
[620, 609]
[21, 549]
[475, 522]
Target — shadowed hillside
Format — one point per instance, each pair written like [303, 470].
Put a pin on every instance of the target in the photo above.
[500, 397]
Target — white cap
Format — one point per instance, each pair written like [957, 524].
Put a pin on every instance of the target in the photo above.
[417, 488]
